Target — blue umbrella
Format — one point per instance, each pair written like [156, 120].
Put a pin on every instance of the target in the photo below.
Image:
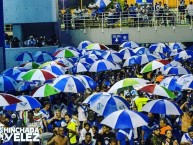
[95, 52]
[87, 81]
[177, 45]
[80, 67]
[102, 3]
[143, 59]
[65, 61]
[184, 55]
[24, 57]
[56, 69]
[127, 52]
[87, 60]
[160, 55]
[169, 83]
[69, 84]
[159, 47]
[130, 44]
[94, 56]
[176, 70]
[130, 61]
[174, 52]
[12, 71]
[7, 84]
[141, 50]
[41, 56]
[105, 103]
[161, 106]
[28, 103]
[125, 119]
[112, 56]
[83, 45]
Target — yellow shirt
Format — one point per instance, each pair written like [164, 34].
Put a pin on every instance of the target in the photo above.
[72, 137]
[140, 102]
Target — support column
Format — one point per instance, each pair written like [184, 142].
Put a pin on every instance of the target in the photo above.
[2, 39]
[17, 31]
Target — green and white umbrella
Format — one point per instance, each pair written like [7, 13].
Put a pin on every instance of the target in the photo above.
[125, 83]
[51, 63]
[44, 91]
[96, 46]
[151, 66]
[66, 53]
[30, 65]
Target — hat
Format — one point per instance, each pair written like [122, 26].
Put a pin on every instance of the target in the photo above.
[155, 127]
[190, 129]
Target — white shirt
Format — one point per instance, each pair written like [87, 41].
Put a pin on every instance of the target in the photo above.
[190, 10]
[186, 138]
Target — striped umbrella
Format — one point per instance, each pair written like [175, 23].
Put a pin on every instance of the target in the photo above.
[158, 90]
[44, 91]
[143, 59]
[80, 67]
[184, 55]
[185, 79]
[112, 56]
[28, 103]
[24, 57]
[130, 61]
[176, 70]
[39, 75]
[96, 46]
[69, 84]
[127, 52]
[160, 55]
[66, 53]
[161, 106]
[102, 3]
[141, 50]
[8, 99]
[174, 52]
[95, 52]
[18, 76]
[159, 47]
[41, 56]
[88, 60]
[11, 71]
[125, 119]
[151, 66]
[83, 44]
[169, 83]
[104, 103]
[30, 65]
[87, 81]
[102, 65]
[177, 45]
[56, 69]
[7, 84]
[130, 44]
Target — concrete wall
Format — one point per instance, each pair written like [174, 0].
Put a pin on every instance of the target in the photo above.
[144, 35]
[11, 54]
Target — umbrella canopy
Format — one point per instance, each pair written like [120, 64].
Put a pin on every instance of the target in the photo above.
[141, 50]
[126, 83]
[28, 103]
[83, 44]
[87, 60]
[174, 52]
[177, 45]
[44, 91]
[95, 52]
[127, 52]
[158, 90]
[56, 69]
[80, 67]
[176, 70]
[24, 57]
[66, 53]
[18, 76]
[41, 56]
[30, 65]
[12, 71]
[159, 47]
[183, 55]
[130, 61]
[161, 106]
[184, 79]
[160, 55]
[65, 62]
[51, 63]
[102, 3]
[96, 46]
[87, 81]
[143, 59]
[151, 66]
[8, 99]
[125, 119]
[169, 83]
[7, 84]
[101, 65]
[69, 84]
[112, 56]
[39, 75]
[104, 103]
[130, 44]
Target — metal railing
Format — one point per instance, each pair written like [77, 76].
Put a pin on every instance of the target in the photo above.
[125, 19]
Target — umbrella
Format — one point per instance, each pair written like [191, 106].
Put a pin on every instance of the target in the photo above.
[30, 65]
[104, 103]
[188, 85]
[162, 106]
[7, 84]
[83, 44]
[172, 63]
[158, 90]
[174, 52]
[102, 3]
[184, 79]
[44, 91]
[141, 50]
[125, 119]
[112, 56]
[93, 56]
[101, 65]
[8, 99]
[169, 83]
[96, 46]
[126, 83]
[130, 44]
[24, 57]
[160, 55]
[66, 53]
[18, 76]
[130, 61]
[183, 55]
[80, 67]
[151, 66]
[11, 71]
[51, 63]
[159, 47]
[69, 84]
[43, 56]
[56, 69]
[145, 58]
[39, 75]
[176, 70]
[87, 60]
[177, 45]
[127, 52]
[28, 103]
[87, 81]
[95, 52]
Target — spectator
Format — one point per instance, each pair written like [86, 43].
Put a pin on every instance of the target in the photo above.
[169, 139]
[140, 101]
[155, 138]
[15, 42]
[107, 135]
[88, 140]
[164, 126]
[190, 12]
[187, 138]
